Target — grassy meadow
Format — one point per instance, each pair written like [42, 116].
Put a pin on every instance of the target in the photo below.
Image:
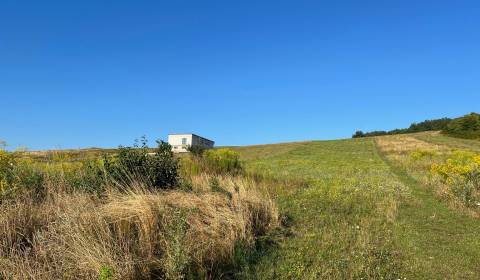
[371, 208]
[341, 221]
[392, 207]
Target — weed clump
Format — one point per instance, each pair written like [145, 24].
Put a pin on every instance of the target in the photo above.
[7, 178]
[461, 174]
[217, 161]
[421, 154]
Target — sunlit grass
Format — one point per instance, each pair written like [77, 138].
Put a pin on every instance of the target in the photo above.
[364, 213]
[438, 234]
[341, 223]
[367, 208]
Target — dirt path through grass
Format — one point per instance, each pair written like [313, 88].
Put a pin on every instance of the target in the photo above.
[361, 217]
[437, 242]
[342, 223]
[454, 143]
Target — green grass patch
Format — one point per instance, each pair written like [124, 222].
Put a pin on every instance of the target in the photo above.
[362, 214]
[341, 224]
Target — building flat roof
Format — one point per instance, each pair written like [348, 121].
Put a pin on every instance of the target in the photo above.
[193, 134]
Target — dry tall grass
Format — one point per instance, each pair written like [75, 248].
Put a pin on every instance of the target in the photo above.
[139, 234]
[419, 158]
[399, 145]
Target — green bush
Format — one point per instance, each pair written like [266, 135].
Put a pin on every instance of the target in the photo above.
[358, 134]
[158, 169]
[196, 151]
[17, 175]
[7, 174]
[31, 179]
[89, 176]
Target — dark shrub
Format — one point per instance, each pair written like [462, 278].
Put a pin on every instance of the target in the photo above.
[19, 176]
[88, 177]
[358, 134]
[159, 169]
[31, 179]
[7, 174]
[196, 151]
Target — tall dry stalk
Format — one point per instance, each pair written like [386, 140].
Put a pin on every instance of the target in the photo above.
[135, 234]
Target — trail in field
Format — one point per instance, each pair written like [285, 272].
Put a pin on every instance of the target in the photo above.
[437, 242]
[340, 223]
[362, 217]
[451, 142]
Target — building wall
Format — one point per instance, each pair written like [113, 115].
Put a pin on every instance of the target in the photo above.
[179, 145]
[200, 141]
[180, 142]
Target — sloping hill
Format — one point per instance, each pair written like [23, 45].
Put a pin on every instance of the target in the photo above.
[365, 212]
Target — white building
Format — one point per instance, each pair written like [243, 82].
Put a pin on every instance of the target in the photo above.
[181, 142]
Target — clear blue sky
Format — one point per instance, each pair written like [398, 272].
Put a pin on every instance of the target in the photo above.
[101, 73]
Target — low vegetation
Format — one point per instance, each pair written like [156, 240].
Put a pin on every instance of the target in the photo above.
[218, 161]
[340, 218]
[367, 210]
[460, 177]
[453, 174]
[403, 206]
[437, 231]
[129, 216]
[159, 169]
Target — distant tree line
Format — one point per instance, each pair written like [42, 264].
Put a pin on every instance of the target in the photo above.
[428, 125]
[467, 127]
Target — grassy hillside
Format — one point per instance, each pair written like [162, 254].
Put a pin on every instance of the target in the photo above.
[367, 211]
[340, 220]
[445, 140]
[392, 207]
